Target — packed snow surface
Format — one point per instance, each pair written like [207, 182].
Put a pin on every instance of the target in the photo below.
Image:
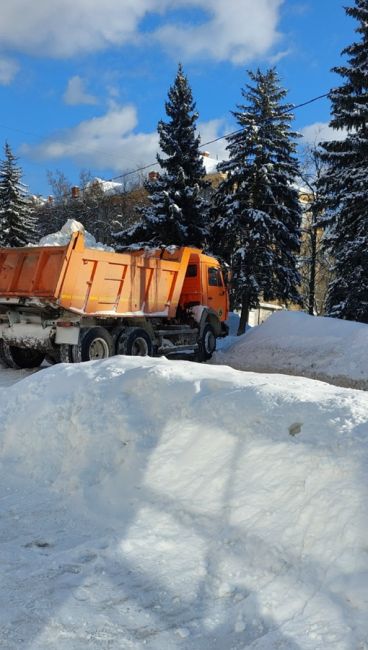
[62, 237]
[148, 503]
[8, 376]
[295, 343]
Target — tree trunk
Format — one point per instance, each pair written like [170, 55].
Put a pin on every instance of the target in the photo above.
[244, 315]
[232, 301]
[312, 271]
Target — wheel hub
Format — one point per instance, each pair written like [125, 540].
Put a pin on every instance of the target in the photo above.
[98, 349]
[140, 347]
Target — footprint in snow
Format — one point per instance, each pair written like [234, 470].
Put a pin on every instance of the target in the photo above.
[38, 543]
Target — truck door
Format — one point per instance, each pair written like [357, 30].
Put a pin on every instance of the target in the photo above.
[216, 292]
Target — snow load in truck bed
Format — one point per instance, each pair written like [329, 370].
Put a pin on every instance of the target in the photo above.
[62, 237]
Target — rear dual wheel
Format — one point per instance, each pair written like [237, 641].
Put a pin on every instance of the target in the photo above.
[94, 343]
[135, 342]
[97, 343]
[20, 358]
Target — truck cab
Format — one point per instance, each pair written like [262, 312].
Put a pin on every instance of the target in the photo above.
[204, 285]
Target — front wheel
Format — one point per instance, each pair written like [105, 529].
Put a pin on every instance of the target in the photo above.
[206, 343]
[20, 358]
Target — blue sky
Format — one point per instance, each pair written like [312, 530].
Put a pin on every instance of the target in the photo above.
[83, 82]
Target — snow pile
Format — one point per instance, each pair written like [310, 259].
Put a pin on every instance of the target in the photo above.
[210, 164]
[233, 325]
[295, 343]
[232, 322]
[109, 188]
[62, 237]
[156, 504]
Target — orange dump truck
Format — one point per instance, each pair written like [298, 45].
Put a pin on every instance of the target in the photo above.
[72, 303]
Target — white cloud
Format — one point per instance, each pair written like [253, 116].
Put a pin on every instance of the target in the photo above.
[63, 28]
[8, 70]
[106, 142]
[321, 132]
[76, 93]
[111, 142]
[235, 30]
[282, 54]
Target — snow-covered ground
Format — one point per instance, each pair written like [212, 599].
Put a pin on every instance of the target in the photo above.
[9, 376]
[148, 503]
[294, 343]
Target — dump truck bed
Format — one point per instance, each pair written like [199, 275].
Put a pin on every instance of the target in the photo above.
[95, 282]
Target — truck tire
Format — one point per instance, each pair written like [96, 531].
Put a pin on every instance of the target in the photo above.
[65, 353]
[95, 343]
[135, 342]
[206, 343]
[20, 358]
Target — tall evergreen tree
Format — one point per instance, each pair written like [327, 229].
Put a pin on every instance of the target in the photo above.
[344, 184]
[177, 213]
[257, 214]
[18, 223]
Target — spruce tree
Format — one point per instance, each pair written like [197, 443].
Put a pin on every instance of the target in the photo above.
[18, 223]
[257, 215]
[344, 184]
[177, 213]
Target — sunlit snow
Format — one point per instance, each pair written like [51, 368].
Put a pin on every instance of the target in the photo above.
[294, 343]
[148, 503]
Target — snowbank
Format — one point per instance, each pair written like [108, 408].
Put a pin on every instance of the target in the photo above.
[233, 324]
[62, 237]
[173, 505]
[295, 343]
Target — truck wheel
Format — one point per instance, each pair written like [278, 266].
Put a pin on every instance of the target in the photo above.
[135, 342]
[19, 358]
[53, 357]
[96, 343]
[207, 343]
[65, 353]
[3, 358]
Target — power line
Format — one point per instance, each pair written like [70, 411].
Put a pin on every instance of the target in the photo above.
[221, 137]
[204, 144]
